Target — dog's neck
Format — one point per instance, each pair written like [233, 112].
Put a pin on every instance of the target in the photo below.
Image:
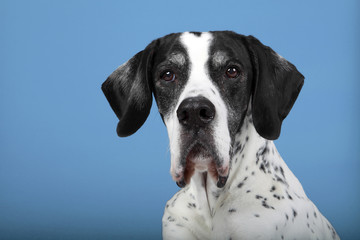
[252, 155]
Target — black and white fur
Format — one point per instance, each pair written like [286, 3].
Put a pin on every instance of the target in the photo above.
[234, 183]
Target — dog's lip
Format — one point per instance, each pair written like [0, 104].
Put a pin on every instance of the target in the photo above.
[199, 156]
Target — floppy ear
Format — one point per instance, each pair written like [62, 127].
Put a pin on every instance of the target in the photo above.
[129, 93]
[277, 84]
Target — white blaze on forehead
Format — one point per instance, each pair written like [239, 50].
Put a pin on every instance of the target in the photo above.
[199, 84]
[197, 50]
[198, 53]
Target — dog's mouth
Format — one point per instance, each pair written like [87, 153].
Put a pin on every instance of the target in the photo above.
[202, 158]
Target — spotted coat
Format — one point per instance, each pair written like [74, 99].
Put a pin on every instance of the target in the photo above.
[223, 97]
[262, 199]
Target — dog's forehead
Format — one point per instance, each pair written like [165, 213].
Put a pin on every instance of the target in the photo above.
[207, 46]
[197, 46]
[217, 46]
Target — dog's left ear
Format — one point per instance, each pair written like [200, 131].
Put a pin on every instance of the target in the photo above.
[128, 91]
[277, 84]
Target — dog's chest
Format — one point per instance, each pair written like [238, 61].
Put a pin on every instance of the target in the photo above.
[237, 207]
[238, 212]
[261, 200]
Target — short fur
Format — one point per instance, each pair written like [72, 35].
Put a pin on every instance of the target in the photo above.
[235, 185]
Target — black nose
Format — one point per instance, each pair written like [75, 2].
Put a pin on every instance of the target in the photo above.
[195, 112]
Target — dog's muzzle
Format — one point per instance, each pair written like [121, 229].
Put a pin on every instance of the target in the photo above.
[196, 115]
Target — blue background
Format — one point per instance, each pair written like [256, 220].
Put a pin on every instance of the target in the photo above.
[64, 173]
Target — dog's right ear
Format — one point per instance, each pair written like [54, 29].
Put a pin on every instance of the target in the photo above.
[128, 91]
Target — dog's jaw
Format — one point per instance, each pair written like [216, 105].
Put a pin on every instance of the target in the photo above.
[215, 157]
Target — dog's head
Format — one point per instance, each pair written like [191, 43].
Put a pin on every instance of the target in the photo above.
[203, 84]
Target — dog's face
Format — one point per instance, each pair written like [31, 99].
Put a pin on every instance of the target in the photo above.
[203, 84]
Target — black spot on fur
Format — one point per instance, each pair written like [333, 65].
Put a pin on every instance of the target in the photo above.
[294, 213]
[282, 172]
[216, 194]
[171, 219]
[232, 210]
[272, 189]
[276, 196]
[198, 34]
[279, 179]
[191, 205]
[256, 215]
[238, 149]
[242, 183]
[262, 168]
[265, 205]
[289, 196]
[262, 151]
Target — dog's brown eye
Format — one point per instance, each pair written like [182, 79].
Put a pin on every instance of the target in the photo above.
[232, 72]
[168, 76]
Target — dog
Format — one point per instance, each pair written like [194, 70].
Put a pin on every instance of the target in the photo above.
[223, 97]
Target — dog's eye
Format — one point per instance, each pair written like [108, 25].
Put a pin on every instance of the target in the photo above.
[168, 76]
[232, 72]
